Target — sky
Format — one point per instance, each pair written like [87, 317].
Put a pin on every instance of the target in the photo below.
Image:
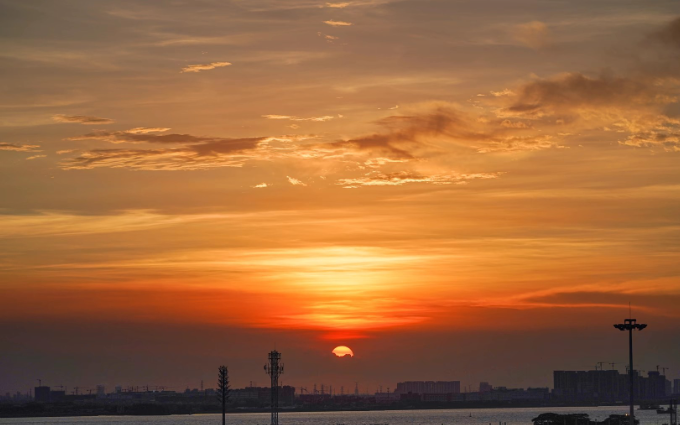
[456, 190]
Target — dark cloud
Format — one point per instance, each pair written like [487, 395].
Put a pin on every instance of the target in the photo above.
[636, 107]
[668, 35]
[216, 153]
[410, 136]
[148, 136]
[574, 90]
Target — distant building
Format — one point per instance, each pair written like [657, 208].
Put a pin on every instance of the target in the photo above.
[57, 395]
[101, 391]
[675, 390]
[42, 394]
[387, 398]
[261, 395]
[428, 387]
[485, 387]
[608, 385]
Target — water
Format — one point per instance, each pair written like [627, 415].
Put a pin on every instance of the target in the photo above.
[393, 417]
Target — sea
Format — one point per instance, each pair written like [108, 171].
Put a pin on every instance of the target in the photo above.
[500, 416]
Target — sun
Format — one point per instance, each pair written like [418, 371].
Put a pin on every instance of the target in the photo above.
[342, 351]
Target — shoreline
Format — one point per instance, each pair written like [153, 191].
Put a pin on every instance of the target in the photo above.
[77, 411]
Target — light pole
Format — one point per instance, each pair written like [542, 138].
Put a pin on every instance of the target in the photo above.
[274, 369]
[630, 325]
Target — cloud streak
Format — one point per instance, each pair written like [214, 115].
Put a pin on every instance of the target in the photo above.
[81, 119]
[337, 23]
[376, 178]
[19, 148]
[204, 67]
[293, 118]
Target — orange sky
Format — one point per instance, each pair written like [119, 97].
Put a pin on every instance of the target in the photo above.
[370, 173]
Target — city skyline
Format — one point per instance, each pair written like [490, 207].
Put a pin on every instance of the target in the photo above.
[453, 190]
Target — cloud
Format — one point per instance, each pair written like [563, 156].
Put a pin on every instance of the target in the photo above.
[337, 23]
[19, 148]
[197, 154]
[35, 157]
[204, 67]
[327, 37]
[533, 34]
[145, 130]
[575, 90]
[376, 178]
[261, 185]
[146, 135]
[81, 119]
[668, 35]
[295, 181]
[440, 128]
[292, 118]
[504, 92]
[635, 105]
[338, 5]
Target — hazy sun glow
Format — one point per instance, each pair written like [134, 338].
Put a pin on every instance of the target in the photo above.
[342, 351]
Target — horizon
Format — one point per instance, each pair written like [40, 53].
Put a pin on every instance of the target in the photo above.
[471, 191]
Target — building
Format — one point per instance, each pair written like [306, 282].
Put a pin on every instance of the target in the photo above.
[608, 385]
[387, 398]
[428, 387]
[101, 391]
[261, 395]
[485, 387]
[42, 394]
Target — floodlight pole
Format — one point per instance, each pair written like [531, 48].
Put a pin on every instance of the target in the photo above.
[630, 325]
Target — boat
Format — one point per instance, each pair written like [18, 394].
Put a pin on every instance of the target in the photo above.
[649, 407]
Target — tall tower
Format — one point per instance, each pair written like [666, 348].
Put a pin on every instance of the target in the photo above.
[274, 369]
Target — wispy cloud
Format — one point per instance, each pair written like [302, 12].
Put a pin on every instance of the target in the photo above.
[533, 34]
[204, 67]
[337, 23]
[19, 148]
[196, 153]
[376, 178]
[81, 119]
[338, 5]
[295, 181]
[35, 157]
[292, 118]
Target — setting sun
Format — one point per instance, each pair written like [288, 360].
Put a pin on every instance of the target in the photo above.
[342, 351]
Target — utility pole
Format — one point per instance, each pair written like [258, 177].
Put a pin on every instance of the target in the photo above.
[274, 369]
[630, 325]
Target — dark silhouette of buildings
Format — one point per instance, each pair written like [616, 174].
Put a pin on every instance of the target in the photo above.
[608, 386]
[428, 387]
